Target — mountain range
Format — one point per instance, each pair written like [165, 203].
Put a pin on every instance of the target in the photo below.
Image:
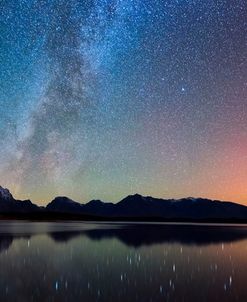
[132, 207]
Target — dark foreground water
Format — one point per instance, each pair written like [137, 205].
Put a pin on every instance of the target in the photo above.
[75, 261]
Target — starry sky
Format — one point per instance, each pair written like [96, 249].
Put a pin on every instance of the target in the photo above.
[105, 98]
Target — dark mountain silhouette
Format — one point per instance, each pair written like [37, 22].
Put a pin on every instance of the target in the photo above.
[5, 194]
[64, 205]
[132, 207]
[99, 208]
[10, 205]
[186, 208]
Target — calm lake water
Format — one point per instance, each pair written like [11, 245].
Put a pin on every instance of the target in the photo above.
[74, 261]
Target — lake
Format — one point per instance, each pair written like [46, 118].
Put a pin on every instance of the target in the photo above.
[75, 261]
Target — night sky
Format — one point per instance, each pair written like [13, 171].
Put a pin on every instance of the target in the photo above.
[101, 99]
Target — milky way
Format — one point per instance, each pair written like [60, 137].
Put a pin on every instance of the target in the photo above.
[100, 99]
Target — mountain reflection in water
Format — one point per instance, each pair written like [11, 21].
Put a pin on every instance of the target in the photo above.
[75, 261]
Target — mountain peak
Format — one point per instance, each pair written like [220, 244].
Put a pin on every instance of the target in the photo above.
[195, 199]
[135, 198]
[5, 194]
[64, 204]
[62, 199]
[95, 202]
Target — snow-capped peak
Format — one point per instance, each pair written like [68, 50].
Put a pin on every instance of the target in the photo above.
[5, 194]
